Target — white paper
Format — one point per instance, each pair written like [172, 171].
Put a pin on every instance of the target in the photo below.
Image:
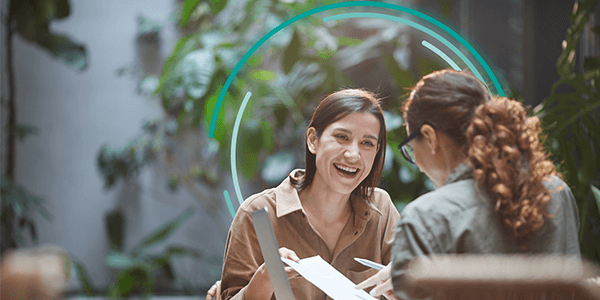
[324, 276]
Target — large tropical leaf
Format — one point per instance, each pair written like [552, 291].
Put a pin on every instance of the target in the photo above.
[163, 232]
[291, 54]
[83, 277]
[120, 261]
[115, 227]
[589, 237]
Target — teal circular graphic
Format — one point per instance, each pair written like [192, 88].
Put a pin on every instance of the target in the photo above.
[424, 29]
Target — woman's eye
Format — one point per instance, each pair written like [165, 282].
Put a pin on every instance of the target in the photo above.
[368, 143]
[342, 137]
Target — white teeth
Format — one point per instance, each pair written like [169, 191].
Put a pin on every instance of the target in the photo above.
[351, 170]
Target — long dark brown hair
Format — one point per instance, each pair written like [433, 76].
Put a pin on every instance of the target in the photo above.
[333, 108]
[503, 144]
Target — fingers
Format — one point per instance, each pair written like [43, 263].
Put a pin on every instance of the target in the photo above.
[378, 278]
[385, 288]
[390, 295]
[291, 272]
[289, 254]
[212, 292]
[367, 283]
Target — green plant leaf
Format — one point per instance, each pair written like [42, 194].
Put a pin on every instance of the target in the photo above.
[263, 75]
[188, 8]
[21, 131]
[277, 166]
[33, 24]
[223, 126]
[64, 49]
[175, 250]
[127, 280]
[291, 54]
[169, 70]
[164, 231]
[596, 194]
[591, 63]
[348, 41]
[115, 227]
[255, 60]
[589, 234]
[404, 80]
[148, 27]
[251, 144]
[120, 261]
[83, 277]
[197, 69]
[217, 5]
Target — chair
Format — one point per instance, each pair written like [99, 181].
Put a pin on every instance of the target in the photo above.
[464, 277]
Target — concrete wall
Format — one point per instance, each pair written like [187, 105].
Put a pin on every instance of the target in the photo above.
[79, 112]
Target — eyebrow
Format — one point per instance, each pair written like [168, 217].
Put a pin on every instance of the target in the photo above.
[350, 132]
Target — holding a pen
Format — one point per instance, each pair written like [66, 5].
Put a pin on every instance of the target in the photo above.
[381, 280]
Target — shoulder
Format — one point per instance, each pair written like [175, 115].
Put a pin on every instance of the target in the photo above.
[446, 202]
[556, 185]
[259, 200]
[561, 192]
[383, 202]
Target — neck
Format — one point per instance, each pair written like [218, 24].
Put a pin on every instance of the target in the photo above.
[452, 158]
[325, 204]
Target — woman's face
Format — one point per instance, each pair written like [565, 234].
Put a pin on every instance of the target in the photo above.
[426, 161]
[345, 151]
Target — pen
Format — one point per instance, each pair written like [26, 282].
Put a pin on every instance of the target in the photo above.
[370, 264]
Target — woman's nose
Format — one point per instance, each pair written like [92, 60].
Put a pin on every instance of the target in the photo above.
[352, 152]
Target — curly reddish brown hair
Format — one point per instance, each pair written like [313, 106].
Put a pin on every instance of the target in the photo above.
[503, 145]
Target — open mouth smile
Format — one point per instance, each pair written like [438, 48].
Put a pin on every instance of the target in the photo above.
[346, 171]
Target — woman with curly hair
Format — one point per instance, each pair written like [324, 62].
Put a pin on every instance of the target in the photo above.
[495, 189]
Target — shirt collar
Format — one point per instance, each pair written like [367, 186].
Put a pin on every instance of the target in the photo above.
[363, 210]
[288, 200]
[462, 171]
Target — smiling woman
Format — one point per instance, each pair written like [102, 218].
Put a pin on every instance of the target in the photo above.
[332, 208]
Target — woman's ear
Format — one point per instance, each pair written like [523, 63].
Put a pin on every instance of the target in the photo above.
[311, 140]
[431, 137]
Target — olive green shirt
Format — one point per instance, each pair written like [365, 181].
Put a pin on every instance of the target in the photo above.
[369, 234]
[460, 218]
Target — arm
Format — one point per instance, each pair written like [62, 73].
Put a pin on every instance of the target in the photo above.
[381, 280]
[411, 240]
[244, 272]
[392, 216]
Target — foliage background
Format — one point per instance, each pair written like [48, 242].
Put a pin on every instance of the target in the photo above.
[287, 76]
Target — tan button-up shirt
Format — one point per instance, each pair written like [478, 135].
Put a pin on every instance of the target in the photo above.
[369, 234]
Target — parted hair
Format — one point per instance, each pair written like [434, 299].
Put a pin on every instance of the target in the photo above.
[503, 144]
[333, 108]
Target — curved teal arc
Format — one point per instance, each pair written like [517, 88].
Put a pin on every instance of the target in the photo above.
[229, 205]
[303, 15]
[413, 25]
[441, 54]
[236, 128]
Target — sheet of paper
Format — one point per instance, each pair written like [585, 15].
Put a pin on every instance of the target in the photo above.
[324, 276]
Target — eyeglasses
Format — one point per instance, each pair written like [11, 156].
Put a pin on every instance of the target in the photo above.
[407, 150]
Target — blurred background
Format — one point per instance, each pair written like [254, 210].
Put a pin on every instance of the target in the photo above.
[111, 153]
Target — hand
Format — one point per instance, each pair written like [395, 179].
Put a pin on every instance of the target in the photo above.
[260, 286]
[212, 292]
[383, 284]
